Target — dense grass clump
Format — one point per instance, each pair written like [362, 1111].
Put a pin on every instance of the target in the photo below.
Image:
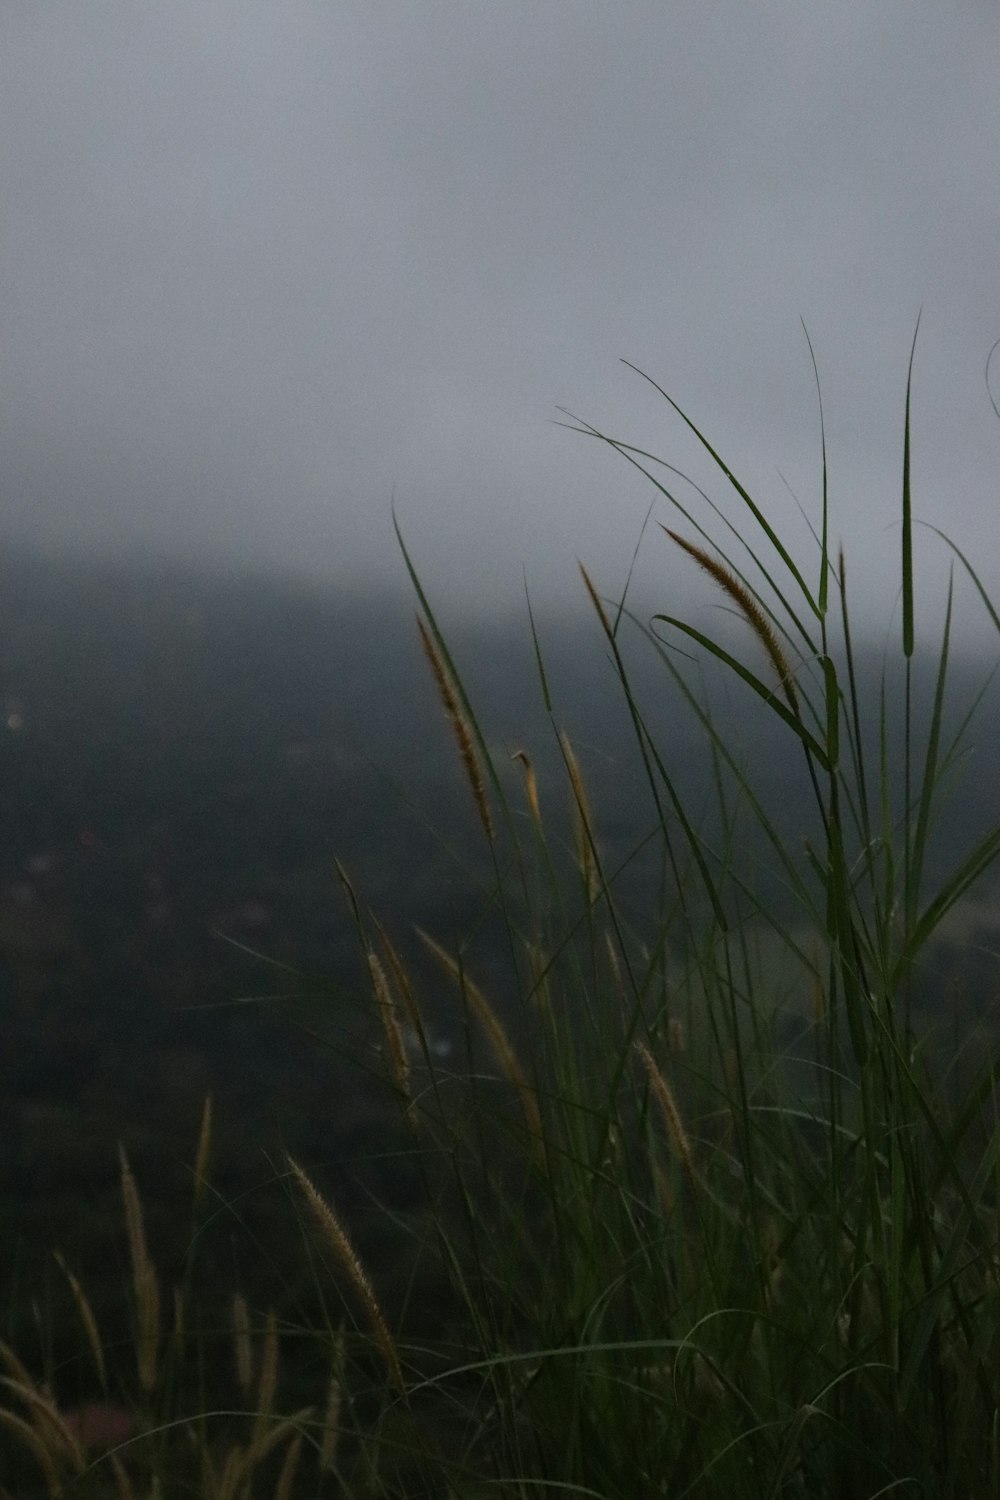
[703, 1204]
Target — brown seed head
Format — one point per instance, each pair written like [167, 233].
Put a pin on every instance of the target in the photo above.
[664, 1097]
[751, 611]
[460, 727]
[336, 1238]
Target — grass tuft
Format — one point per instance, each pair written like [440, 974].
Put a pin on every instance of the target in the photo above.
[718, 1218]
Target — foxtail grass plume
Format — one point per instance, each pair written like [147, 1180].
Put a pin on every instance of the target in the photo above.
[460, 727]
[664, 1097]
[145, 1283]
[595, 600]
[499, 1040]
[530, 785]
[385, 1004]
[404, 989]
[39, 1450]
[338, 1241]
[751, 611]
[47, 1423]
[582, 820]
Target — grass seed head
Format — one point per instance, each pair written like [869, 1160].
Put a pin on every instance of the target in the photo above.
[145, 1283]
[751, 611]
[460, 728]
[502, 1047]
[664, 1097]
[399, 1063]
[336, 1237]
[530, 785]
[582, 821]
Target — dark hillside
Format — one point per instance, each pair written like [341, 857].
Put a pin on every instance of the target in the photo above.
[183, 759]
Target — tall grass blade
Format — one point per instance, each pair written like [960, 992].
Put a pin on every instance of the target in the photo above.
[908, 511]
[760, 688]
[744, 494]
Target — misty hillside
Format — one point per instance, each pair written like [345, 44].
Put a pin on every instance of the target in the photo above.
[184, 760]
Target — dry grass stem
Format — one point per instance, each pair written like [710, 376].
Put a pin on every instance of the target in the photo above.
[749, 609]
[499, 1040]
[664, 1096]
[460, 728]
[342, 1248]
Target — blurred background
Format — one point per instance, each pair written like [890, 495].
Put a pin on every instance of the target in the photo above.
[269, 271]
[267, 267]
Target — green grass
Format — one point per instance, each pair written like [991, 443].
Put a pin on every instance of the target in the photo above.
[702, 1206]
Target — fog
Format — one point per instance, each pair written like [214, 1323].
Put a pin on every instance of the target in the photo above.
[269, 270]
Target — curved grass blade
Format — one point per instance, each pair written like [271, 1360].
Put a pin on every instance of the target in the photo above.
[931, 775]
[908, 512]
[760, 688]
[648, 751]
[744, 494]
[984, 596]
[627, 450]
[824, 564]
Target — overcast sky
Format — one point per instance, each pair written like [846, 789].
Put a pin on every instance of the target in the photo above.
[266, 265]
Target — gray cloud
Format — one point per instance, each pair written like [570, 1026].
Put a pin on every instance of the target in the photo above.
[266, 265]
